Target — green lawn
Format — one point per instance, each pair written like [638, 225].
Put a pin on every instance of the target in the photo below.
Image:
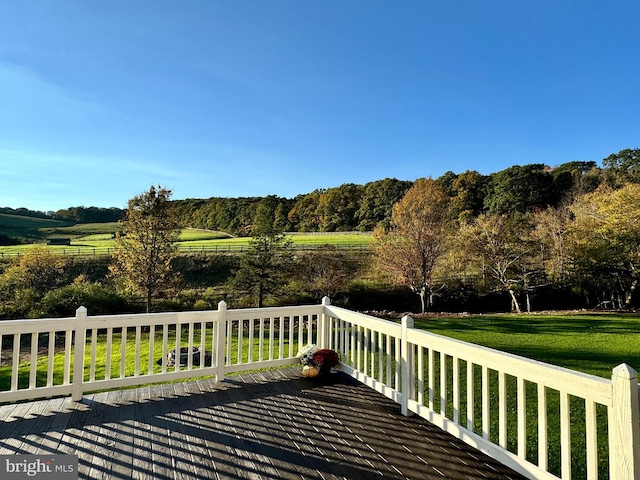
[587, 342]
[592, 343]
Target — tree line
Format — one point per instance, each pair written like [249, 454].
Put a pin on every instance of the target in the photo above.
[348, 207]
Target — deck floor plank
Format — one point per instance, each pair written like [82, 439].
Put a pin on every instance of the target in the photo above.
[261, 425]
[160, 455]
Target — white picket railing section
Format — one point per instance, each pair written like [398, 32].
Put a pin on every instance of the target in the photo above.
[507, 406]
[135, 349]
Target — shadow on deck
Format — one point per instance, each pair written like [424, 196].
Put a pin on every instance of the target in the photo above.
[266, 425]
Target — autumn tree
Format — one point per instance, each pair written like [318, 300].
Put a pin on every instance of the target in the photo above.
[146, 247]
[605, 242]
[549, 232]
[498, 247]
[23, 285]
[417, 238]
[39, 270]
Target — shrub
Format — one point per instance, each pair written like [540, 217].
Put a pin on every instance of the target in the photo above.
[97, 298]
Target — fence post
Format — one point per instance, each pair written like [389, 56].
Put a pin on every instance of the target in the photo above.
[323, 325]
[79, 339]
[408, 373]
[221, 332]
[624, 429]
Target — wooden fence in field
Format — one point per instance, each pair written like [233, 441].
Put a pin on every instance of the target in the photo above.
[182, 249]
[543, 421]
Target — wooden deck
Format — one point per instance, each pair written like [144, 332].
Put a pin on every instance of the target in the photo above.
[267, 425]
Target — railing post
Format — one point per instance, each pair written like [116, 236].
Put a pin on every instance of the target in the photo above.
[408, 370]
[78, 353]
[221, 332]
[624, 429]
[323, 325]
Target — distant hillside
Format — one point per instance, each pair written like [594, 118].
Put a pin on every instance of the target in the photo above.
[18, 226]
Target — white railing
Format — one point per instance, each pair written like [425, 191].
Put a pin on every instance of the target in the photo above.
[541, 420]
[507, 406]
[47, 358]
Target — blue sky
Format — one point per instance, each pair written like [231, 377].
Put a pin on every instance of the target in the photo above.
[101, 99]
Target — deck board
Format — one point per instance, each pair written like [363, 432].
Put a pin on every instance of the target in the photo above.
[263, 425]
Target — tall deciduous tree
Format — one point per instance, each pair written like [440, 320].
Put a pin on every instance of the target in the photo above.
[605, 237]
[147, 246]
[468, 191]
[303, 215]
[420, 227]
[337, 207]
[549, 232]
[498, 247]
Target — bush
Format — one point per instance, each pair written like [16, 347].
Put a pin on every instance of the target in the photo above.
[97, 298]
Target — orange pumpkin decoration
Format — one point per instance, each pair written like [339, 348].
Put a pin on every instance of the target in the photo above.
[310, 371]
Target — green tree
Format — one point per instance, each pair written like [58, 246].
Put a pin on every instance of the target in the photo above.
[417, 239]
[264, 267]
[337, 207]
[623, 167]
[575, 178]
[521, 189]
[270, 216]
[146, 248]
[281, 222]
[304, 213]
[468, 191]
[378, 201]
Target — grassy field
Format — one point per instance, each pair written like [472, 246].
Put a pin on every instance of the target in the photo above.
[588, 342]
[97, 238]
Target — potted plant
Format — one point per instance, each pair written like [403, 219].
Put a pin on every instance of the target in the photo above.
[317, 361]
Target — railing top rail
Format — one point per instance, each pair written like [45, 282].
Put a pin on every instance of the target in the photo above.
[575, 383]
[387, 327]
[265, 312]
[163, 318]
[32, 325]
